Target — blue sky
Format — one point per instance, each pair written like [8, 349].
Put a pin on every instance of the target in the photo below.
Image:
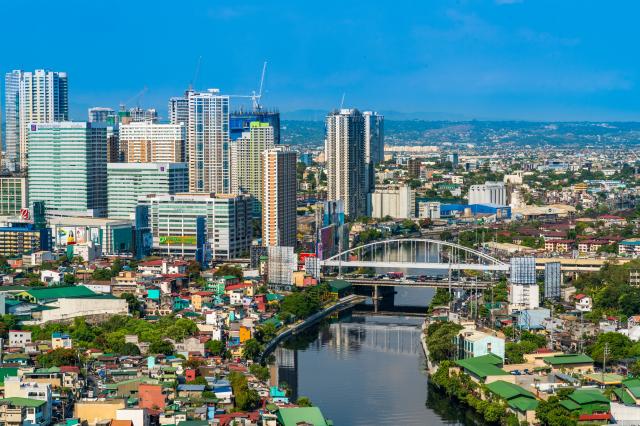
[492, 59]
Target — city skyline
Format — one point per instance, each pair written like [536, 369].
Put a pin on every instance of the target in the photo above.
[492, 59]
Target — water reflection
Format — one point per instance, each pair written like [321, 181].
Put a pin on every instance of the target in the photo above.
[364, 370]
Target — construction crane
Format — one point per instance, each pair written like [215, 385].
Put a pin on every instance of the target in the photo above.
[255, 97]
[137, 97]
[192, 85]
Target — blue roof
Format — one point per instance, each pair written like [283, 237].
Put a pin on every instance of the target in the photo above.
[196, 388]
[634, 242]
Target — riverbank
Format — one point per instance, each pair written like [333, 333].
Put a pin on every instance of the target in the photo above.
[291, 329]
[431, 367]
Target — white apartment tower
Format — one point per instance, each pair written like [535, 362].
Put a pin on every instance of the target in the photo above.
[208, 142]
[179, 109]
[279, 197]
[40, 96]
[345, 160]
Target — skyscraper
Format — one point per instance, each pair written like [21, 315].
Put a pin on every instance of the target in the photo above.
[279, 197]
[127, 182]
[76, 182]
[138, 114]
[179, 109]
[100, 114]
[12, 116]
[147, 142]
[345, 160]
[40, 96]
[208, 142]
[240, 122]
[373, 145]
[247, 161]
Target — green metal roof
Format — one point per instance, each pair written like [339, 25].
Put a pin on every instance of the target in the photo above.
[587, 396]
[294, 416]
[523, 403]
[633, 385]
[569, 405]
[48, 293]
[483, 366]
[508, 390]
[568, 359]
[624, 396]
[7, 372]
[23, 402]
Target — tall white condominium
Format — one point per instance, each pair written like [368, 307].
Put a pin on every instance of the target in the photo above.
[489, 193]
[147, 142]
[374, 145]
[345, 160]
[179, 109]
[100, 114]
[247, 161]
[279, 197]
[208, 142]
[68, 167]
[40, 96]
[127, 182]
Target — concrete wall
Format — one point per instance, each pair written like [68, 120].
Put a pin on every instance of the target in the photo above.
[72, 308]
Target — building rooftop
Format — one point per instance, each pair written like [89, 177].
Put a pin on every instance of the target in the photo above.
[568, 359]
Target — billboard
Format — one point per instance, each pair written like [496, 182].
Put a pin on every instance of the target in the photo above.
[333, 213]
[178, 239]
[70, 235]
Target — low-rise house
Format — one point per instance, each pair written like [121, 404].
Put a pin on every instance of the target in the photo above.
[521, 402]
[583, 302]
[23, 411]
[570, 362]
[629, 247]
[485, 369]
[590, 405]
[558, 246]
[474, 343]
[298, 416]
[19, 338]
[61, 341]
[95, 411]
[190, 391]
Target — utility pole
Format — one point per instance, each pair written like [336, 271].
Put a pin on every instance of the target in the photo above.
[604, 361]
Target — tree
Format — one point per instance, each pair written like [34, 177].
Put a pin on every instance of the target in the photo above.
[193, 269]
[261, 372]
[252, 349]
[58, 357]
[619, 347]
[304, 401]
[116, 267]
[440, 340]
[69, 279]
[266, 332]
[300, 304]
[551, 413]
[161, 347]
[135, 306]
[245, 399]
[216, 347]
[101, 274]
[224, 270]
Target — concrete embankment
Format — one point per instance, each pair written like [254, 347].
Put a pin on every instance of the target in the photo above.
[431, 367]
[343, 303]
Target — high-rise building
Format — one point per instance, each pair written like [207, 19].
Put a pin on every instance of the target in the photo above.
[523, 288]
[40, 96]
[114, 153]
[100, 114]
[396, 201]
[345, 160]
[240, 122]
[138, 114]
[173, 222]
[552, 280]
[12, 117]
[179, 109]
[146, 142]
[247, 162]
[373, 145]
[489, 193]
[76, 181]
[13, 195]
[127, 182]
[208, 142]
[279, 197]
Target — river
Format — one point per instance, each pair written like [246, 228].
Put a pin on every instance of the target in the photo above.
[366, 369]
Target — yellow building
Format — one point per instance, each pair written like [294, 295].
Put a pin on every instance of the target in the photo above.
[245, 333]
[95, 411]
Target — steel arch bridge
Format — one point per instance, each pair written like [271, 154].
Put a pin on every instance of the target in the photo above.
[416, 254]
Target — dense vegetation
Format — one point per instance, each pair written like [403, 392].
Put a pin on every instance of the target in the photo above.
[439, 340]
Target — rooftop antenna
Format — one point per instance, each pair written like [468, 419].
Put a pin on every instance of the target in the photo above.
[342, 101]
[192, 85]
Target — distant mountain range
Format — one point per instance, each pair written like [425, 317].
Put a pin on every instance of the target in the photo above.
[319, 115]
